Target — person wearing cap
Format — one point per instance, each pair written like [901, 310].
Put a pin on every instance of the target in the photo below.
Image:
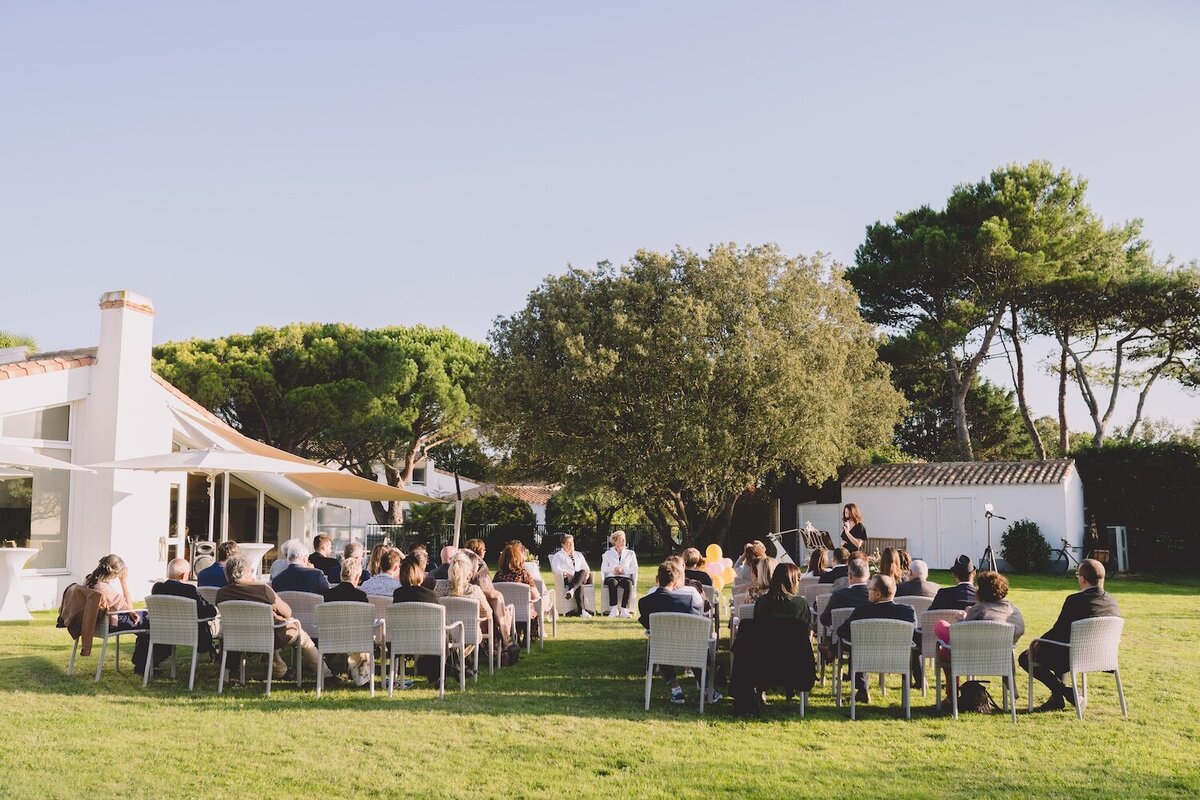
[961, 596]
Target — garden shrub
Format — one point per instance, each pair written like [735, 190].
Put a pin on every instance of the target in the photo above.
[1024, 547]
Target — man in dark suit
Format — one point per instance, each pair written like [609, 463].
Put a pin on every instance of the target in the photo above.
[322, 558]
[961, 596]
[178, 571]
[443, 569]
[918, 585]
[671, 595]
[214, 575]
[1053, 661]
[298, 575]
[854, 595]
[882, 590]
[840, 556]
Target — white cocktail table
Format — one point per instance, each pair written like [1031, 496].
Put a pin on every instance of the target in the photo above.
[12, 600]
[254, 552]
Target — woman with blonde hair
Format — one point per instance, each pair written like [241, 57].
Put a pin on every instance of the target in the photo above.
[760, 581]
[818, 564]
[618, 569]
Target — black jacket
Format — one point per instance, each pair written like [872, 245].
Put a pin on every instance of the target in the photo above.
[853, 596]
[345, 592]
[888, 609]
[771, 652]
[330, 566]
[1094, 602]
[958, 597]
[414, 594]
[300, 579]
[837, 572]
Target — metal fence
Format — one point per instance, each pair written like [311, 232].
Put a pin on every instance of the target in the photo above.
[539, 539]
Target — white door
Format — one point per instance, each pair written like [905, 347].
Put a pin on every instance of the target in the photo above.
[926, 548]
[956, 534]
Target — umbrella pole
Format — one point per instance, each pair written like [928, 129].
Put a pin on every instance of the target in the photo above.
[211, 506]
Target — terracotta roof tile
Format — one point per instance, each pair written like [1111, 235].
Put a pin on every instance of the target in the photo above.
[961, 473]
[41, 363]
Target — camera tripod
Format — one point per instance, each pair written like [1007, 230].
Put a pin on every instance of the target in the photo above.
[988, 561]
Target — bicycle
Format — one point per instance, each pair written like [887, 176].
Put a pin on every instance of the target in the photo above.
[1066, 560]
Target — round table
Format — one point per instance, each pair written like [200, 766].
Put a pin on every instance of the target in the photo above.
[254, 552]
[12, 600]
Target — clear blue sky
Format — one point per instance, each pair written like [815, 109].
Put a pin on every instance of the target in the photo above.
[387, 163]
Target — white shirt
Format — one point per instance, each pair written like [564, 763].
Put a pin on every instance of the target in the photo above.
[560, 562]
[626, 560]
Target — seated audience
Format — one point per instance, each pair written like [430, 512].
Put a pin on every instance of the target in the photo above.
[693, 567]
[618, 571]
[889, 564]
[991, 605]
[242, 586]
[746, 566]
[387, 580]
[905, 564]
[570, 567]
[479, 548]
[458, 584]
[442, 571]
[844, 581]
[760, 578]
[818, 564]
[350, 571]
[854, 595]
[110, 579]
[783, 599]
[840, 557]
[480, 577]
[883, 606]
[671, 595]
[511, 569]
[299, 575]
[1052, 661]
[355, 550]
[917, 584]
[178, 571]
[376, 558]
[322, 558]
[961, 596]
[411, 575]
[214, 575]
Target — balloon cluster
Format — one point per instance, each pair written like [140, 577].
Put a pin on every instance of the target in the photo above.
[717, 566]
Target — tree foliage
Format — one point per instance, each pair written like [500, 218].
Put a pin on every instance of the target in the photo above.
[680, 379]
[363, 399]
[10, 339]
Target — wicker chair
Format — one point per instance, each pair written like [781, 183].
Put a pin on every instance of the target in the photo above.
[209, 593]
[304, 608]
[173, 622]
[249, 627]
[564, 606]
[349, 628]
[822, 602]
[836, 618]
[917, 602]
[103, 633]
[713, 597]
[440, 586]
[980, 647]
[630, 604]
[926, 621]
[518, 596]
[547, 605]
[680, 640]
[466, 611]
[420, 629]
[883, 646]
[1093, 648]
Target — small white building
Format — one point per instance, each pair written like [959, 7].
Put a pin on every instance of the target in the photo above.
[939, 508]
[104, 404]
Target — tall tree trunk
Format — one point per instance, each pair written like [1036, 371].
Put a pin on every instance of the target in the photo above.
[961, 378]
[1153, 376]
[1039, 449]
[1064, 435]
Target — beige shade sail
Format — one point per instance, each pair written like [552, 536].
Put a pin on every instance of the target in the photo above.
[328, 483]
[14, 456]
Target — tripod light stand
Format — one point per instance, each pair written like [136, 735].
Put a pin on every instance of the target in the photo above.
[989, 556]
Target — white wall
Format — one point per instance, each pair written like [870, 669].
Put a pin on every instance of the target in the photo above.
[942, 522]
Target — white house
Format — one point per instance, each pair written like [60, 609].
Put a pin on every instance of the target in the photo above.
[105, 404]
[939, 508]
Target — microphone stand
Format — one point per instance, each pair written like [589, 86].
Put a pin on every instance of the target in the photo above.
[989, 555]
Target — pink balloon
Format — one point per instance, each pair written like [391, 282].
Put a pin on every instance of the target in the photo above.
[713, 568]
[726, 563]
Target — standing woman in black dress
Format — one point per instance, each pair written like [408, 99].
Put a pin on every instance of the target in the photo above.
[854, 533]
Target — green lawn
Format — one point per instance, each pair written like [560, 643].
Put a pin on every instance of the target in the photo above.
[568, 721]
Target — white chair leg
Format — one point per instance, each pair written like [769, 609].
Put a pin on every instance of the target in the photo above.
[703, 686]
[1012, 688]
[1078, 699]
[906, 693]
[853, 691]
[71, 663]
[174, 660]
[952, 687]
[462, 667]
[146, 670]
[320, 673]
[103, 653]
[300, 667]
[371, 664]
[442, 685]
[270, 673]
[243, 669]
[221, 674]
[803, 703]
[649, 678]
[1121, 693]
[192, 673]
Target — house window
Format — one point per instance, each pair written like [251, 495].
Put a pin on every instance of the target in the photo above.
[34, 504]
[418, 476]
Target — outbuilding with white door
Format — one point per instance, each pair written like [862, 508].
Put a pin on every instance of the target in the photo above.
[940, 508]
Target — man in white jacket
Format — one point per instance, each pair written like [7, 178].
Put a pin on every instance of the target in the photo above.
[619, 568]
[571, 569]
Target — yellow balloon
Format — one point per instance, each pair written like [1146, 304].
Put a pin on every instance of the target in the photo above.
[718, 582]
[713, 553]
[728, 575]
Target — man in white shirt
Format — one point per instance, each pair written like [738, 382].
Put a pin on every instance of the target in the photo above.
[388, 580]
[570, 567]
[619, 569]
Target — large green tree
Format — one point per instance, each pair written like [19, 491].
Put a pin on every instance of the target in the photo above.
[10, 339]
[680, 379]
[363, 399]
